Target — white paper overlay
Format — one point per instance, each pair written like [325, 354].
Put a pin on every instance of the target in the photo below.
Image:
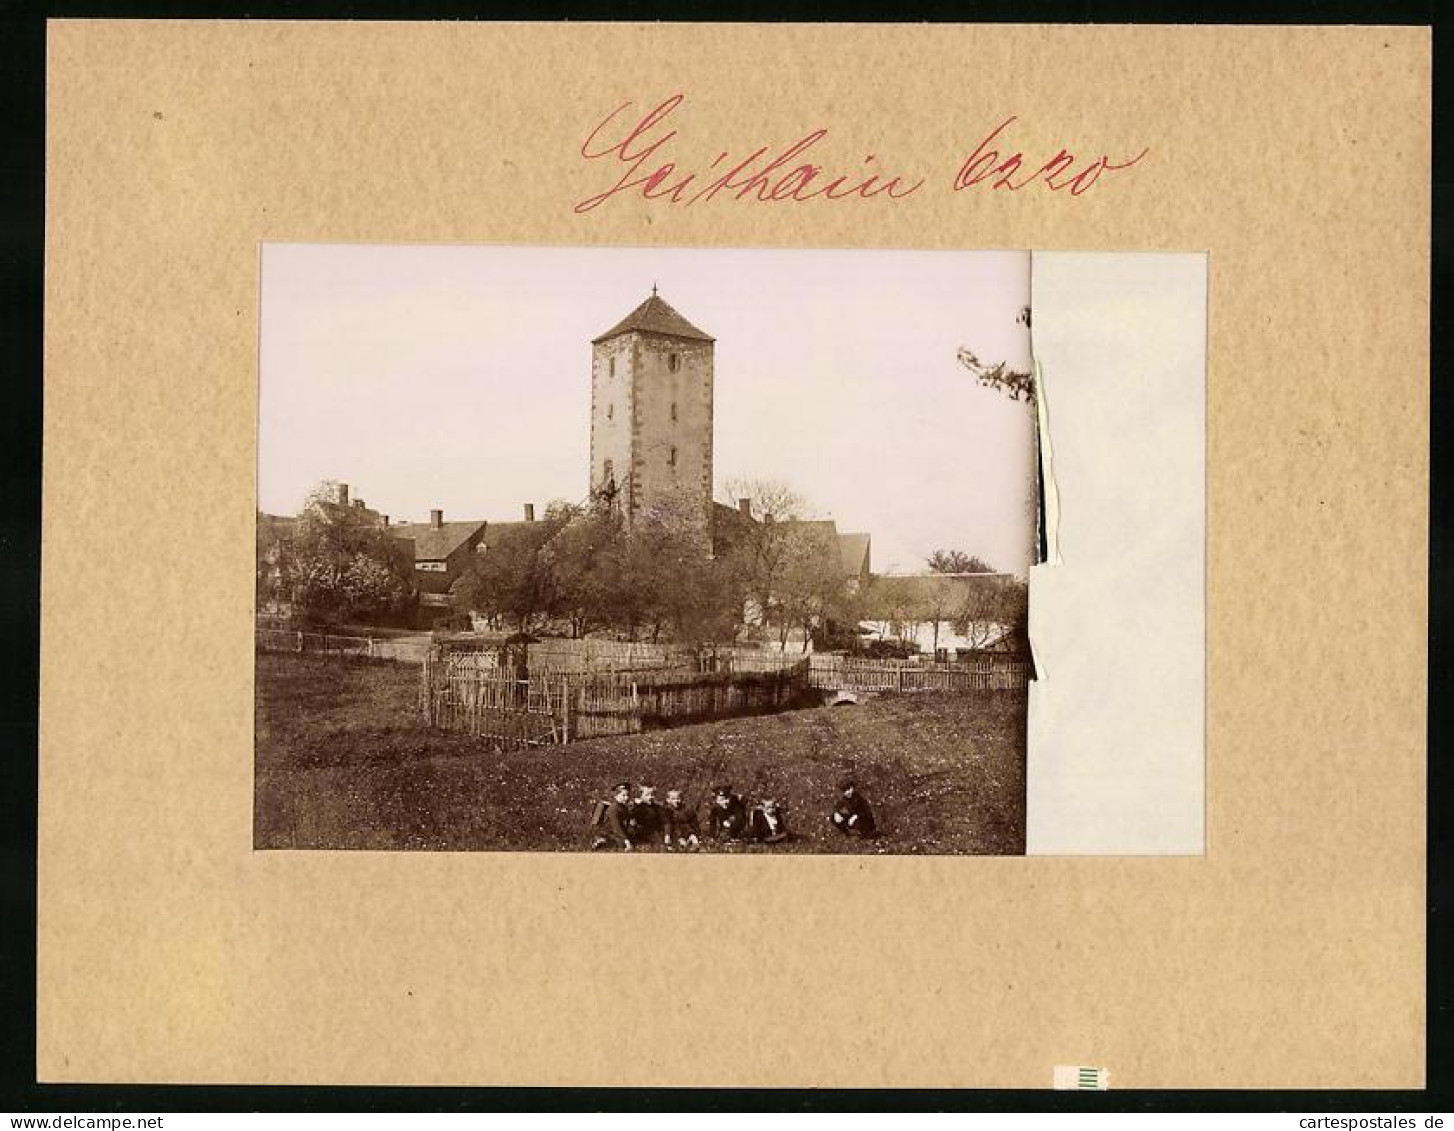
[1117, 724]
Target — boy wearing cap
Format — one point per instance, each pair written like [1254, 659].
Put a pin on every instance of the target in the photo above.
[728, 814]
[767, 824]
[611, 819]
[852, 814]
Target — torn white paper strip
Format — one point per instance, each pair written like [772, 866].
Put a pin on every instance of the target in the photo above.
[1116, 730]
[1050, 499]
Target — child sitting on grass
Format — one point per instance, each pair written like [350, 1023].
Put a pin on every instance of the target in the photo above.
[767, 824]
[679, 824]
[645, 820]
[727, 816]
[610, 820]
[852, 815]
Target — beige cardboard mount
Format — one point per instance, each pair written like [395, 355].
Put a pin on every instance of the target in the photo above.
[1290, 955]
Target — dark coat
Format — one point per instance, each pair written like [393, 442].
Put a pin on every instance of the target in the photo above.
[644, 822]
[853, 815]
[728, 822]
[679, 824]
[761, 829]
[611, 823]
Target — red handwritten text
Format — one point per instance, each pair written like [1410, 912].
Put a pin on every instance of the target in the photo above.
[764, 175]
[1013, 173]
[640, 156]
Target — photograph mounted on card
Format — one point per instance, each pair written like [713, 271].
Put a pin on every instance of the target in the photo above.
[768, 587]
[726, 550]
[979, 440]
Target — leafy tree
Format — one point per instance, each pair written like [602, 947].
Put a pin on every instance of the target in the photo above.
[512, 582]
[590, 570]
[582, 564]
[270, 552]
[584, 568]
[679, 586]
[340, 564]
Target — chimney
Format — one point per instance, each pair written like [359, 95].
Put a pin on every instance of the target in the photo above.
[343, 494]
[436, 519]
[359, 503]
[529, 512]
[744, 507]
[385, 519]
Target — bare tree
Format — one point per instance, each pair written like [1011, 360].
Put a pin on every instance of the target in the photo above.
[993, 615]
[957, 561]
[939, 602]
[766, 498]
[898, 602]
[761, 556]
[811, 589]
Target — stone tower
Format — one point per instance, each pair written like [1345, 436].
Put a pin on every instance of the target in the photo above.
[651, 416]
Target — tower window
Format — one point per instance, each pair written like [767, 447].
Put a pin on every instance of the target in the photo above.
[611, 367]
[610, 412]
[673, 362]
[606, 472]
[673, 412]
[671, 460]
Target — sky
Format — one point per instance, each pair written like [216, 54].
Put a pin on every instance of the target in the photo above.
[458, 377]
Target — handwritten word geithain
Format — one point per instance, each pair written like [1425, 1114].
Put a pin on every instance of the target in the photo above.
[641, 156]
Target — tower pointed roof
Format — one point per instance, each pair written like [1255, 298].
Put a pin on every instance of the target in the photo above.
[655, 316]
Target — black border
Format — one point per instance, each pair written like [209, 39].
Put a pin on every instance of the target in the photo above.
[22, 72]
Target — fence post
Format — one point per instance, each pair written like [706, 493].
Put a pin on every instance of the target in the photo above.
[300, 641]
[565, 709]
[371, 647]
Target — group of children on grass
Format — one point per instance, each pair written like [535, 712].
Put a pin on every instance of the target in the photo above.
[723, 817]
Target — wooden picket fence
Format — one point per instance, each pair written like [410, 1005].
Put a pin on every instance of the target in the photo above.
[464, 692]
[671, 697]
[320, 643]
[491, 704]
[764, 660]
[838, 673]
[555, 654]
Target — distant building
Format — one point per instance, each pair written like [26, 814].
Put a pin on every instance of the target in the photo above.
[944, 614]
[852, 549]
[497, 533]
[356, 508]
[443, 552]
[731, 524]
